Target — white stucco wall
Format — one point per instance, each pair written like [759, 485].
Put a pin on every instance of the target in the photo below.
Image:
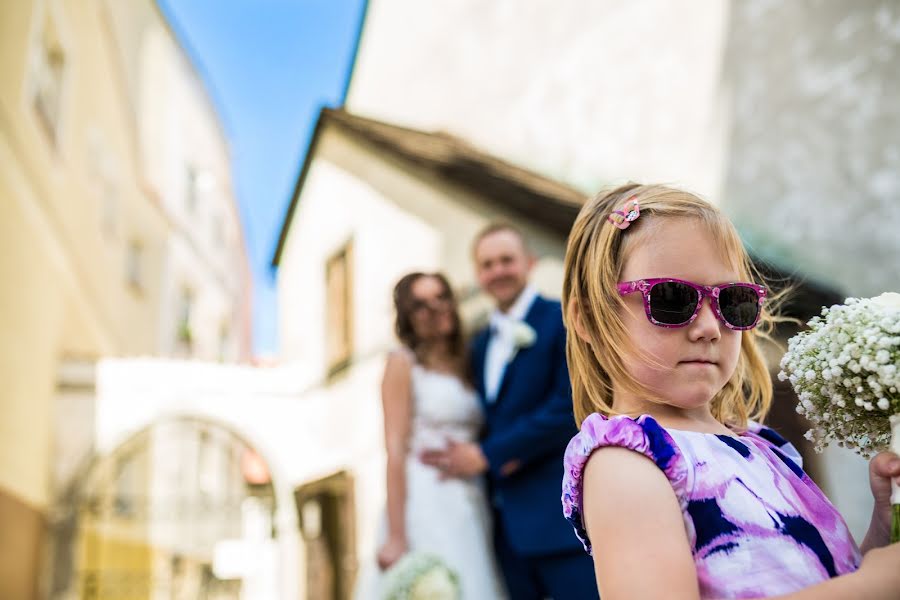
[813, 177]
[585, 92]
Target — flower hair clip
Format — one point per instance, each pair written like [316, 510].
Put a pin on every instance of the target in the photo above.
[629, 213]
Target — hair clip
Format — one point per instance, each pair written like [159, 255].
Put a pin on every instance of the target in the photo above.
[629, 213]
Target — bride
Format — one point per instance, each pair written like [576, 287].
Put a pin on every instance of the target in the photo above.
[428, 403]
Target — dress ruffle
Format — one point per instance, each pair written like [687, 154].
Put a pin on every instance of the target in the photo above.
[643, 435]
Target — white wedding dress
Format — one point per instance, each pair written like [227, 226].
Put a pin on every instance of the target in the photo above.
[448, 518]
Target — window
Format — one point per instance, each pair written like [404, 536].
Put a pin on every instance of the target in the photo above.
[101, 171]
[224, 341]
[218, 231]
[134, 264]
[191, 188]
[109, 198]
[127, 487]
[338, 306]
[184, 336]
[210, 468]
[48, 72]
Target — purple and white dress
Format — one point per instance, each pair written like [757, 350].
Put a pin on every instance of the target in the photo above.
[757, 524]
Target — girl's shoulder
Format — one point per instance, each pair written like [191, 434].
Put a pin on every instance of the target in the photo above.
[642, 435]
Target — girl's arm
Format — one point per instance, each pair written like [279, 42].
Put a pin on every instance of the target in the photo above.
[877, 579]
[636, 529]
[397, 404]
[641, 549]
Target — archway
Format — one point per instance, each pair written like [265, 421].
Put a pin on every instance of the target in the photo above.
[185, 508]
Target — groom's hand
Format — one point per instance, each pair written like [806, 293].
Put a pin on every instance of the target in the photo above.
[460, 459]
[509, 468]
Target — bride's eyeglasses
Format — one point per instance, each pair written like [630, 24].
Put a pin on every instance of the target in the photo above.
[676, 303]
[440, 303]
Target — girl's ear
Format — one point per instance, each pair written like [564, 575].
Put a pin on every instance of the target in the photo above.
[575, 311]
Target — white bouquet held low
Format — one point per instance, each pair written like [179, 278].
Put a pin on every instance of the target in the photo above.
[844, 369]
[420, 576]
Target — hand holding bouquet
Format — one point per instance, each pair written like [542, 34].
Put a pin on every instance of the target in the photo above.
[844, 369]
[420, 576]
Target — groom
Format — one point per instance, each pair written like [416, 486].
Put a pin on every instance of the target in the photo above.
[519, 370]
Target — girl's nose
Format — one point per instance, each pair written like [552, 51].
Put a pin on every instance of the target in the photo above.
[706, 325]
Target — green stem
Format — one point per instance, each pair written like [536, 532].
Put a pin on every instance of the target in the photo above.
[895, 491]
[895, 524]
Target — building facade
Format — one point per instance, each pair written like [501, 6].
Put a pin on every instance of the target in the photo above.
[205, 309]
[101, 254]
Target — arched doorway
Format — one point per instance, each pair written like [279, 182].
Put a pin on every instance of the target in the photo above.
[182, 510]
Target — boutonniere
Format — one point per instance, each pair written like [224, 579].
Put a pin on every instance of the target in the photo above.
[523, 336]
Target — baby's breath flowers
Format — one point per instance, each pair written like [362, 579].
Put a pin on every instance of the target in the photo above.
[844, 369]
[420, 576]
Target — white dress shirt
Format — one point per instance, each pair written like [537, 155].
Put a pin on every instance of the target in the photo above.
[501, 345]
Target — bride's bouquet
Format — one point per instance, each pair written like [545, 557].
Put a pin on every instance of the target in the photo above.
[844, 369]
[420, 576]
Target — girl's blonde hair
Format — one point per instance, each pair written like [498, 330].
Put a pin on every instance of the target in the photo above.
[595, 257]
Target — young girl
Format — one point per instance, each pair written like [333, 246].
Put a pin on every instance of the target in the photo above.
[670, 483]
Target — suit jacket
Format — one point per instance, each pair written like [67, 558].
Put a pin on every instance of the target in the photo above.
[531, 421]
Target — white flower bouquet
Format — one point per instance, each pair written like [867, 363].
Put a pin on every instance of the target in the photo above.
[420, 576]
[844, 369]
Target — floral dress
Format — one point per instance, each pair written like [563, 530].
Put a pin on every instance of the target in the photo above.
[756, 523]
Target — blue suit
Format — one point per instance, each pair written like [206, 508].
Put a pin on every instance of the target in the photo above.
[531, 422]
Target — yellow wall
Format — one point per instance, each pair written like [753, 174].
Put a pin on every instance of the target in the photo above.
[63, 288]
[117, 567]
[65, 291]
[20, 549]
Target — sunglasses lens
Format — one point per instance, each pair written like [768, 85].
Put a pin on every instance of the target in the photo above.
[739, 305]
[673, 303]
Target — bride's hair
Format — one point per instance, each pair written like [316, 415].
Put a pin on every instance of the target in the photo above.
[404, 306]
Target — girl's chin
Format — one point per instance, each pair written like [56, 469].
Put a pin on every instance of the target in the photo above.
[694, 399]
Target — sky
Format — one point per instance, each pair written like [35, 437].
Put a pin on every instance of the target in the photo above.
[269, 66]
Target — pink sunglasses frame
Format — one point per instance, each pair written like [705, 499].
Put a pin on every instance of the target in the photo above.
[711, 291]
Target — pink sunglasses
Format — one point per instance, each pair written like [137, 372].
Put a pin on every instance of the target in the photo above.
[676, 303]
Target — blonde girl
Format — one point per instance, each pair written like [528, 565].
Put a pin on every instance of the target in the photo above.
[671, 483]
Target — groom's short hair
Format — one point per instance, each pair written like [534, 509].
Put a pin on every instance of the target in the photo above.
[494, 227]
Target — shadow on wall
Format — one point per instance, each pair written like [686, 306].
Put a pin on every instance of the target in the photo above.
[812, 177]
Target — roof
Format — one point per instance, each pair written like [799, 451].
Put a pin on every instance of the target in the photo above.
[544, 201]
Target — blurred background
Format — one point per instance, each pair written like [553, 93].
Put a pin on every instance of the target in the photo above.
[205, 205]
